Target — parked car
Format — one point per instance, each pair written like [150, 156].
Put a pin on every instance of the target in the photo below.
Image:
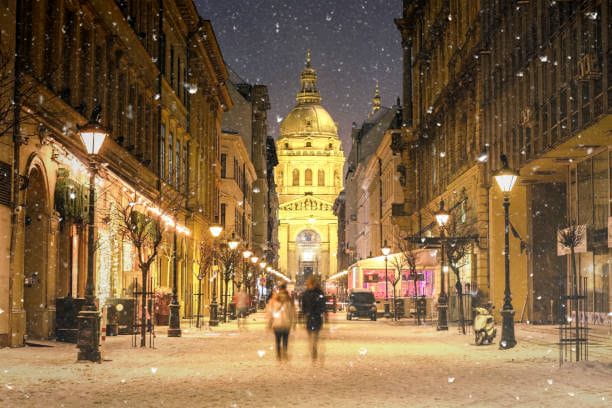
[361, 304]
[330, 303]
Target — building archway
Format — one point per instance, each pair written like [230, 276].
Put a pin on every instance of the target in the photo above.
[308, 245]
[36, 255]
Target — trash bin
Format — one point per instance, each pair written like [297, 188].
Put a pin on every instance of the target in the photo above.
[399, 308]
[421, 306]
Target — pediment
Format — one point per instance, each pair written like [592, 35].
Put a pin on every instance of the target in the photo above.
[307, 203]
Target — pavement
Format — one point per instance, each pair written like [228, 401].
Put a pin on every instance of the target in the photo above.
[363, 364]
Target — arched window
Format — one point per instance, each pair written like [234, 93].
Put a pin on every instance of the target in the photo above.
[321, 177]
[308, 177]
[336, 179]
[296, 177]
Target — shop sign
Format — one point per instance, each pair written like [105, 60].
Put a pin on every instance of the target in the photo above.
[581, 230]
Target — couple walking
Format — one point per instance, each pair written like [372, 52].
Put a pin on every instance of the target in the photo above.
[281, 317]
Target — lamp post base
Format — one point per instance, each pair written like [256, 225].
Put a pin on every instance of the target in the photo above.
[507, 338]
[442, 309]
[88, 339]
[213, 321]
[174, 327]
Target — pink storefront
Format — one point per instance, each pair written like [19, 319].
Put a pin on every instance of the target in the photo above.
[370, 274]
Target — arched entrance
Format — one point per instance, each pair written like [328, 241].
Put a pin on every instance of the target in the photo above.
[36, 256]
[308, 243]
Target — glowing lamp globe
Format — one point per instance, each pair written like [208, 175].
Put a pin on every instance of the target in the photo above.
[506, 177]
[385, 249]
[233, 243]
[268, 269]
[441, 215]
[93, 136]
[262, 265]
[215, 230]
[246, 254]
[254, 259]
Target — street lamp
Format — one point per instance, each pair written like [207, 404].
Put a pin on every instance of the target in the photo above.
[506, 178]
[93, 136]
[386, 251]
[442, 218]
[215, 230]
[246, 254]
[233, 243]
[174, 324]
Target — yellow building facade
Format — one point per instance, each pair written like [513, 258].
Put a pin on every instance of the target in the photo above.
[308, 178]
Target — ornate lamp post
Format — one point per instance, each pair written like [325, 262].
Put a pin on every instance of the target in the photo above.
[93, 136]
[215, 230]
[506, 178]
[386, 251]
[232, 245]
[246, 254]
[254, 260]
[442, 218]
[174, 324]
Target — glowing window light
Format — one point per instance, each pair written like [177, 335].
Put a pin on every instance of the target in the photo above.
[104, 266]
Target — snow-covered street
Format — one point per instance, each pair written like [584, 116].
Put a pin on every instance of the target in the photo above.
[366, 364]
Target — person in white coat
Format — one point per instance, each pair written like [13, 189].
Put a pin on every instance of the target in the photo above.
[281, 319]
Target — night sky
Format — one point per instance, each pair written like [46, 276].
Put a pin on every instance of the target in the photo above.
[353, 43]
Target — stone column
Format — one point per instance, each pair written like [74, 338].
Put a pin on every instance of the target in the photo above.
[50, 295]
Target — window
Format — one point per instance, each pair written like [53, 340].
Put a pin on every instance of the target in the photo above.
[178, 164]
[170, 178]
[308, 144]
[308, 177]
[172, 67]
[286, 145]
[296, 177]
[223, 211]
[162, 152]
[321, 177]
[186, 167]
[223, 165]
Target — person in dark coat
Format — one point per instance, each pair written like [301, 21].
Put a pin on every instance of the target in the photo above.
[313, 307]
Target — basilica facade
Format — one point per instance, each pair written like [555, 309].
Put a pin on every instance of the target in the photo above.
[308, 178]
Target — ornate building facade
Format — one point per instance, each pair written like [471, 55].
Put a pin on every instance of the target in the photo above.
[531, 80]
[308, 180]
[157, 82]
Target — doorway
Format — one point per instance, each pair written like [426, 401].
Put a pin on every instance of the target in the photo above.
[36, 256]
[308, 244]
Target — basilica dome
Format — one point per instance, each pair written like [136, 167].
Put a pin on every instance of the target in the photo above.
[308, 117]
[308, 120]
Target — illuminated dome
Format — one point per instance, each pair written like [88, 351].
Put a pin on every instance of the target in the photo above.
[307, 120]
[308, 117]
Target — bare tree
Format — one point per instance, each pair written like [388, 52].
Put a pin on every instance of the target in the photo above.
[229, 259]
[571, 238]
[409, 252]
[205, 260]
[398, 263]
[145, 229]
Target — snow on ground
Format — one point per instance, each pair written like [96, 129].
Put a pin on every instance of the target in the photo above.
[366, 364]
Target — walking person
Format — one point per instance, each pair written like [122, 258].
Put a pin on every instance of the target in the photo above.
[242, 307]
[313, 307]
[281, 319]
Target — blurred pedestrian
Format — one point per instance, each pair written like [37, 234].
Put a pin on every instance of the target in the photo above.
[242, 307]
[281, 319]
[313, 307]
